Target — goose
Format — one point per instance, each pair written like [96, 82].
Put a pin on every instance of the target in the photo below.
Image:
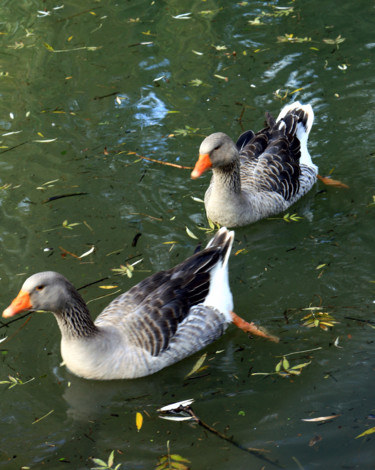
[263, 173]
[163, 319]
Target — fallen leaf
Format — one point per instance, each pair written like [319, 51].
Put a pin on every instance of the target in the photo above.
[320, 419]
[366, 433]
[197, 365]
[138, 420]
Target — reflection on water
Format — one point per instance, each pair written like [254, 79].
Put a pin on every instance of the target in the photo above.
[151, 110]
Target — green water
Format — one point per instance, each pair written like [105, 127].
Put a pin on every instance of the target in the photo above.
[101, 96]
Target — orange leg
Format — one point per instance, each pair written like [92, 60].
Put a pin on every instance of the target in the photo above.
[251, 328]
[332, 182]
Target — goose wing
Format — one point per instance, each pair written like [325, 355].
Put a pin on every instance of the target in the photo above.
[270, 158]
[150, 314]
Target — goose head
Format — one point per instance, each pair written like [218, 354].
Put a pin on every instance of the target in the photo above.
[48, 291]
[216, 151]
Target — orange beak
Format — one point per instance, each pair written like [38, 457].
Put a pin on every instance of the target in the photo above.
[20, 303]
[204, 163]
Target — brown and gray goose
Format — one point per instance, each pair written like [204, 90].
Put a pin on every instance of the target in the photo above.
[158, 322]
[263, 173]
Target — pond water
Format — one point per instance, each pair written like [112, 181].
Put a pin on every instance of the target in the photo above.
[87, 87]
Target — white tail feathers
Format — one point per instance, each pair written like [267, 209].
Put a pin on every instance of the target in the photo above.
[303, 129]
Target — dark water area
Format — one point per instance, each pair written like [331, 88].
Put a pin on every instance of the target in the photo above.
[87, 87]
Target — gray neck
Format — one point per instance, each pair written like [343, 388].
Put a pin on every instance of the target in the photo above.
[74, 319]
[228, 177]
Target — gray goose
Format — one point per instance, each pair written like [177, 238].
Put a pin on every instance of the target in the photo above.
[163, 319]
[263, 173]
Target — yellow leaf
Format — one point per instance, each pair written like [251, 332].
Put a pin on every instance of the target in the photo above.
[197, 365]
[366, 433]
[285, 363]
[70, 38]
[48, 47]
[92, 13]
[320, 266]
[190, 233]
[108, 287]
[40, 134]
[138, 420]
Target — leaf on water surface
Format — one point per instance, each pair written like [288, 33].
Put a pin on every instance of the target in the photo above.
[242, 250]
[99, 462]
[124, 270]
[256, 22]
[292, 38]
[48, 47]
[138, 420]
[45, 141]
[197, 52]
[190, 233]
[86, 253]
[335, 42]
[197, 366]
[320, 266]
[320, 419]
[366, 433]
[197, 199]
[221, 77]
[196, 82]
[65, 224]
[183, 16]
[186, 131]
[172, 462]
[318, 319]
[108, 287]
[10, 133]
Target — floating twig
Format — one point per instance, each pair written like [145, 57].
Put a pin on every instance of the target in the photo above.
[14, 147]
[106, 96]
[185, 409]
[54, 198]
[45, 416]
[175, 165]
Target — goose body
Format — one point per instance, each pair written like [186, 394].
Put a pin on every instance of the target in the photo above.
[263, 173]
[158, 322]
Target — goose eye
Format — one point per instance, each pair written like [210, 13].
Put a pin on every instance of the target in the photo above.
[39, 287]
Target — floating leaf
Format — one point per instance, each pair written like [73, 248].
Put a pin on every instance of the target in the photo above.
[45, 141]
[242, 250]
[48, 47]
[138, 420]
[197, 365]
[221, 77]
[196, 82]
[286, 364]
[190, 233]
[186, 131]
[291, 38]
[86, 253]
[183, 16]
[320, 419]
[335, 42]
[320, 266]
[366, 433]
